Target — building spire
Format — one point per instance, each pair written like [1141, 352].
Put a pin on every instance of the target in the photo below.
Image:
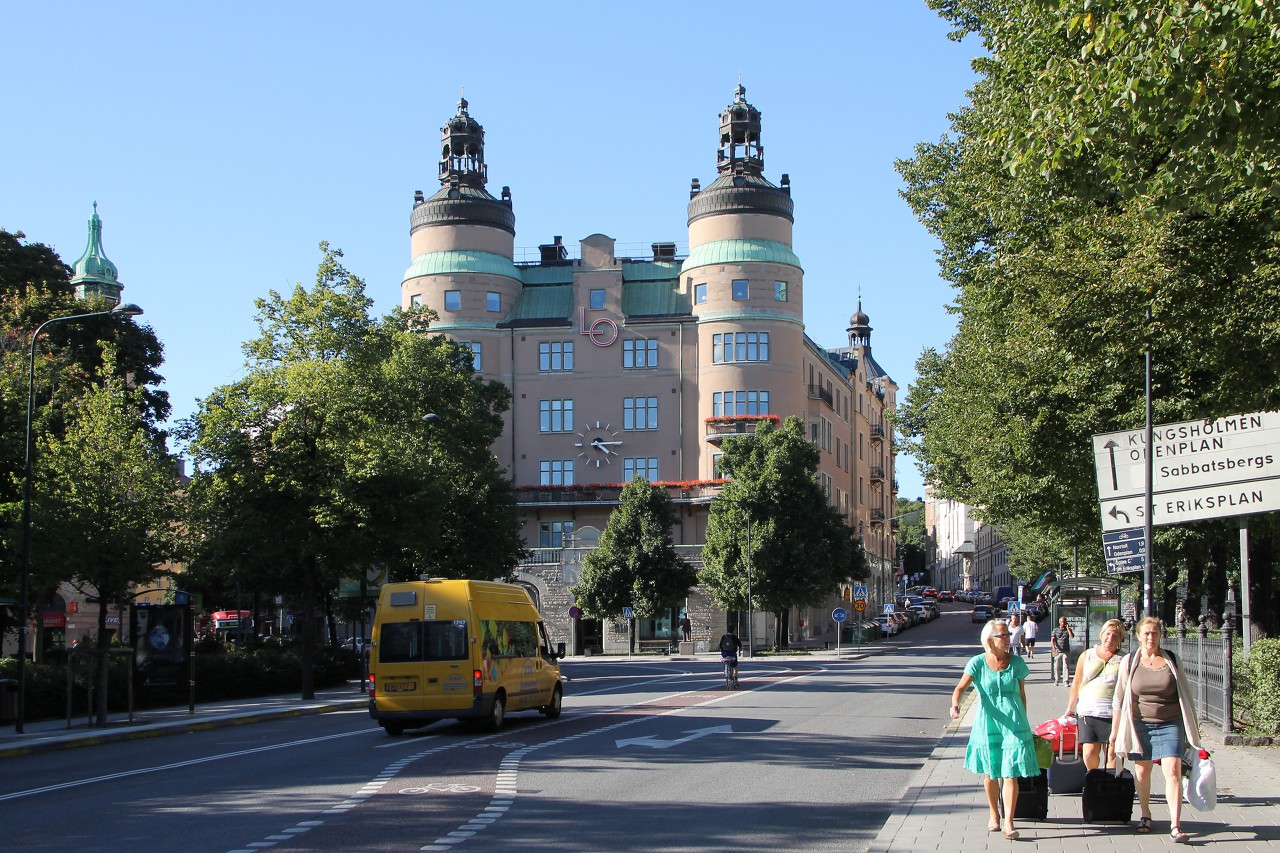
[741, 152]
[462, 150]
[94, 274]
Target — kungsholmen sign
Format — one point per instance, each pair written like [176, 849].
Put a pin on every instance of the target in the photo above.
[1200, 469]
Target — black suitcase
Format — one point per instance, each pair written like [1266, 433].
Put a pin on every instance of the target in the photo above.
[1033, 798]
[1066, 774]
[1107, 796]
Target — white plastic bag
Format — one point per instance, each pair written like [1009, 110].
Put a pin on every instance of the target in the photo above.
[1201, 786]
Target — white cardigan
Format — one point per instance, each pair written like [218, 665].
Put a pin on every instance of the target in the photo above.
[1124, 713]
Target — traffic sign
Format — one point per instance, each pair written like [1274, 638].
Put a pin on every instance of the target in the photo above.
[1125, 550]
[1181, 506]
[575, 612]
[628, 613]
[1212, 465]
[1015, 607]
[839, 614]
[888, 608]
[859, 591]
[860, 605]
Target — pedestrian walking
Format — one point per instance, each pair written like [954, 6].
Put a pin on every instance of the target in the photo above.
[1059, 647]
[1030, 630]
[1093, 692]
[1154, 720]
[1000, 747]
[1017, 635]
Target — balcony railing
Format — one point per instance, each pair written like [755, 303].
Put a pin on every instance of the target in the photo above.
[817, 392]
[877, 432]
[718, 428]
[877, 473]
[610, 494]
[877, 515]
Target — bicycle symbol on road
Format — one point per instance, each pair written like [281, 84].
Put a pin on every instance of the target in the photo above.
[441, 788]
[499, 745]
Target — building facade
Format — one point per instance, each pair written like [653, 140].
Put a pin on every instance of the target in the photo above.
[623, 365]
[965, 553]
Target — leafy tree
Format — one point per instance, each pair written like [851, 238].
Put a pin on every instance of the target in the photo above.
[106, 509]
[1097, 198]
[323, 460]
[910, 535]
[35, 286]
[636, 564]
[801, 549]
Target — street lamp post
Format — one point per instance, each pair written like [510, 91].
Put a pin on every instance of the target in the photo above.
[125, 309]
[751, 610]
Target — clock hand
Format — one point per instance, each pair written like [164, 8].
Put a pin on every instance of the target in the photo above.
[597, 441]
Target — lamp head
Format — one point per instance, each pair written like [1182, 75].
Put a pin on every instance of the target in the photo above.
[128, 309]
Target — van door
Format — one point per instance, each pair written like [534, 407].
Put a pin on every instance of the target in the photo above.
[425, 665]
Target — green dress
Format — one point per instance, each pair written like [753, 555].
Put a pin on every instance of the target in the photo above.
[1000, 744]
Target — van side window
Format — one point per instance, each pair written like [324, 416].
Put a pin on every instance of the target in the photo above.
[507, 639]
[415, 642]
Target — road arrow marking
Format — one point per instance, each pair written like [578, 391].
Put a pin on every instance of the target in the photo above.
[654, 743]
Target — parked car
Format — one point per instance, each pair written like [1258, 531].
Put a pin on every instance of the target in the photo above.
[921, 613]
[930, 592]
[946, 595]
[888, 625]
[982, 613]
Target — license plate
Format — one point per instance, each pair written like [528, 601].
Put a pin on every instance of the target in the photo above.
[400, 686]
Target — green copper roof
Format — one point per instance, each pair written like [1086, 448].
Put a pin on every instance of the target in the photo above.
[551, 302]
[93, 265]
[654, 299]
[650, 271]
[559, 274]
[461, 261]
[741, 251]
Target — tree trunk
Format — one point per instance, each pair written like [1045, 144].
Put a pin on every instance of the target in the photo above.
[308, 627]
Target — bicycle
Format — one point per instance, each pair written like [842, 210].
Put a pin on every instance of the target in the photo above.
[730, 673]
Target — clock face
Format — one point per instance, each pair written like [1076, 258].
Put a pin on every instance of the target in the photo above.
[598, 443]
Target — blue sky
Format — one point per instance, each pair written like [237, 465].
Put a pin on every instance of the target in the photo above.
[224, 141]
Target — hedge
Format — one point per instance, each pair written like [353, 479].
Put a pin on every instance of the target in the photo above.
[1258, 688]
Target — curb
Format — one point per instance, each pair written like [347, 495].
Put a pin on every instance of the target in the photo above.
[58, 743]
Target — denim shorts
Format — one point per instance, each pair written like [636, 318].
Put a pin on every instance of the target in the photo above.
[1158, 740]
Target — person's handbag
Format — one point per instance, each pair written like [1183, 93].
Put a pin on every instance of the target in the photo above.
[1201, 784]
[1044, 752]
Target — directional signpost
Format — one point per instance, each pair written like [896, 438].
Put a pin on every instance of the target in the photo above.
[1199, 470]
[839, 615]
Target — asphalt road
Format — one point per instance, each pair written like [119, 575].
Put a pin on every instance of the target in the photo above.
[650, 754]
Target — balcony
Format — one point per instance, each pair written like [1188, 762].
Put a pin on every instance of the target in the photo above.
[610, 494]
[731, 425]
[817, 392]
[877, 473]
[877, 432]
[877, 515]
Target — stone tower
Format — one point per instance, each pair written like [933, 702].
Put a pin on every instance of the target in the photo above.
[744, 281]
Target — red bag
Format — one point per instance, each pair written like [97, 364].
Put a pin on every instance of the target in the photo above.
[1060, 733]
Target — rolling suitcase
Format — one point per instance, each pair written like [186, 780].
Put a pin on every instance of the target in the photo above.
[1108, 795]
[1033, 798]
[1066, 774]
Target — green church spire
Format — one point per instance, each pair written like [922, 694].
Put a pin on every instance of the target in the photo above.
[94, 274]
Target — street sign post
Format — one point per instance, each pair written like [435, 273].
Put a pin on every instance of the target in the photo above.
[839, 615]
[1125, 550]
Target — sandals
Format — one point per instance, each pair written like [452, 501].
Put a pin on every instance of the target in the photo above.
[1178, 836]
[1144, 826]
[993, 826]
[1011, 834]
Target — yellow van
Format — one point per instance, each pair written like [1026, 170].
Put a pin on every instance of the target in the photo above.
[469, 650]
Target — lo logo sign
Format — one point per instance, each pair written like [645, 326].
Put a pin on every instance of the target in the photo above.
[602, 332]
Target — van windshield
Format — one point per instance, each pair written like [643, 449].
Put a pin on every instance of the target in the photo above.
[414, 642]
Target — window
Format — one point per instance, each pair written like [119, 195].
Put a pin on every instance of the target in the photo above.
[647, 468]
[504, 638]
[415, 300]
[699, 294]
[639, 412]
[555, 416]
[555, 355]
[739, 403]
[639, 354]
[551, 534]
[555, 472]
[476, 353]
[414, 642]
[493, 302]
[596, 299]
[453, 300]
[741, 290]
[716, 472]
[740, 346]
[779, 291]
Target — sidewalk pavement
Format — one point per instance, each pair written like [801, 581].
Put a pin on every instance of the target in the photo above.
[945, 807]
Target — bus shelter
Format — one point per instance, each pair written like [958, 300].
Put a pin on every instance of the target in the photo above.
[1087, 603]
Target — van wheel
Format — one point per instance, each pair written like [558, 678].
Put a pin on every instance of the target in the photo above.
[393, 729]
[497, 713]
[551, 710]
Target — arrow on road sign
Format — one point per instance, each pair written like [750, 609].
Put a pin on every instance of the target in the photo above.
[655, 743]
[1111, 450]
[1116, 512]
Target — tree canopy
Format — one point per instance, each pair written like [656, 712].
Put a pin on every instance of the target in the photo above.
[636, 564]
[1102, 170]
[801, 549]
[351, 442]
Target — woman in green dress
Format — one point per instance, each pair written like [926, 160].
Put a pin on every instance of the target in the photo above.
[1000, 745]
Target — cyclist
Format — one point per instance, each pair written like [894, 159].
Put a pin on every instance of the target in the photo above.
[729, 646]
